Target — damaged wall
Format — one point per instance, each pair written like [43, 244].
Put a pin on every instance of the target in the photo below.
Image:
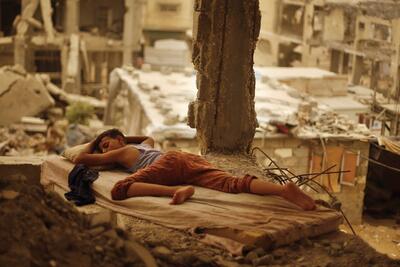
[21, 94]
[225, 35]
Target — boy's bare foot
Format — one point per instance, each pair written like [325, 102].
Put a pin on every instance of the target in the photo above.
[294, 194]
[182, 194]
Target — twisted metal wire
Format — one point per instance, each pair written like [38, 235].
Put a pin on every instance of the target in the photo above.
[302, 180]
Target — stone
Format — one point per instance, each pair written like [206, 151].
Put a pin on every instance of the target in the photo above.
[279, 253]
[9, 194]
[336, 246]
[7, 80]
[259, 251]
[104, 218]
[251, 256]
[99, 248]
[97, 230]
[307, 242]
[325, 243]
[112, 234]
[161, 250]
[186, 258]
[26, 96]
[264, 260]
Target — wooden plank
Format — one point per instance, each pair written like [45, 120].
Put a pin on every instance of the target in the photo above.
[349, 163]
[333, 156]
[316, 166]
[45, 6]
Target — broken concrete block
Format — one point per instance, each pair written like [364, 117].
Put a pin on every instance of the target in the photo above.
[265, 260]
[24, 96]
[251, 256]
[33, 125]
[104, 218]
[9, 194]
[283, 152]
[7, 79]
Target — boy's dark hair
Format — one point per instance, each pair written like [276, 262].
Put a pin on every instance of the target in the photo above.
[113, 133]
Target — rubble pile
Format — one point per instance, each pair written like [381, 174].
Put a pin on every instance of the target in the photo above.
[32, 117]
[322, 123]
[21, 94]
[16, 142]
[41, 229]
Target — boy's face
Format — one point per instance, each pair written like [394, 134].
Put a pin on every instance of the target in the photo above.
[108, 143]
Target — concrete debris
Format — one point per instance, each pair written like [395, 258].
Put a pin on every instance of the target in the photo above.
[21, 95]
[33, 110]
[103, 219]
[67, 98]
[14, 141]
[53, 233]
[33, 125]
[8, 194]
[161, 101]
[328, 124]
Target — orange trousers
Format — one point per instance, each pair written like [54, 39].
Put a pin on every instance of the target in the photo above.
[179, 168]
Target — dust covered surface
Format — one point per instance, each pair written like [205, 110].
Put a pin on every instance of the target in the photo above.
[237, 164]
[38, 228]
[41, 229]
[176, 248]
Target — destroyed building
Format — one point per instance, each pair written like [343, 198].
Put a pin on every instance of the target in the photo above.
[78, 43]
[359, 39]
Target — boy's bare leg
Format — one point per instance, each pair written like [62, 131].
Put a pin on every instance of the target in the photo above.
[179, 194]
[289, 191]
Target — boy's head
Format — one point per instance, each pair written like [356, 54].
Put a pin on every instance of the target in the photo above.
[109, 140]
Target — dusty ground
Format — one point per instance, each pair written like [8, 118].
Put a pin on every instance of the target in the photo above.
[41, 229]
[382, 235]
[337, 249]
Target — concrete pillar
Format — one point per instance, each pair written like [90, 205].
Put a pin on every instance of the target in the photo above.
[71, 78]
[308, 30]
[394, 65]
[20, 51]
[358, 61]
[335, 60]
[132, 29]
[357, 69]
[225, 33]
[71, 16]
[345, 63]
[22, 54]
[72, 84]
[395, 72]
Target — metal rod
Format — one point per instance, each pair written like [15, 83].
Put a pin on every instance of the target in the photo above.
[319, 174]
[272, 161]
[307, 180]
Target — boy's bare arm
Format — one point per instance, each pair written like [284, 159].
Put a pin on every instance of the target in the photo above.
[122, 156]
